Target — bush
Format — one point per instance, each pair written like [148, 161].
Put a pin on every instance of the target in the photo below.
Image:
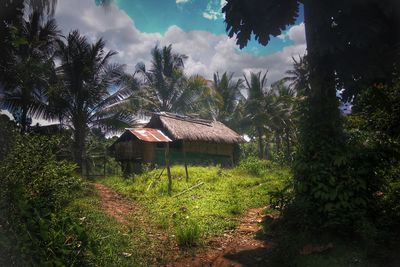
[35, 188]
[7, 133]
[188, 235]
[254, 166]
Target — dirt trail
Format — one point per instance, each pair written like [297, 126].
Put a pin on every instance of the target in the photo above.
[114, 204]
[156, 244]
[126, 211]
[238, 247]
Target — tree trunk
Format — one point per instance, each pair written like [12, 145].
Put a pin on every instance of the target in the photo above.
[323, 112]
[79, 144]
[24, 118]
[260, 143]
[321, 131]
[277, 143]
[287, 138]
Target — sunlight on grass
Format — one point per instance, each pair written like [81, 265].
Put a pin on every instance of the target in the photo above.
[215, 205]
[112, 243]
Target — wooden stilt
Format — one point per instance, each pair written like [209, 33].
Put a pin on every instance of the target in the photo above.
[168, 169]
[185, 159]
[105, 163]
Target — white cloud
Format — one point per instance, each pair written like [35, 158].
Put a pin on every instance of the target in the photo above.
[213, 10]
[182, 1]
[207, 52]
[296, 34]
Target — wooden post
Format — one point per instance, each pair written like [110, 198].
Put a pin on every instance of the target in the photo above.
[104, 162]
[184, 158]
[168, 169]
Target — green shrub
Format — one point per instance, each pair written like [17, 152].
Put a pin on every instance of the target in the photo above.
[254, 166]
[235, 206]
[35, 188]
[188, 234]
[7, 132]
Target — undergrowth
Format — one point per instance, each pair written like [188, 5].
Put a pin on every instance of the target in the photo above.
[215, 205]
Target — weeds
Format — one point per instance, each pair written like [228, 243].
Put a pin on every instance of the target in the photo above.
[188, 235]
[215, 206]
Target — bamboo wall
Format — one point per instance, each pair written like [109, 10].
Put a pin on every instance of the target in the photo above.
[139, 151]
[135, 150]
[208, 148]
[129, 150]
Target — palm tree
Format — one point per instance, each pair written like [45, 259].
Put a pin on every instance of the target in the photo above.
[30, 71]
[255, 106]
[299, 76]
[83, 96]
[286, 114]
[165, 86]
[226, 97]
[11, 19]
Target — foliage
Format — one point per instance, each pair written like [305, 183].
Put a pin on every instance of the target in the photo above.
[328, 187]
[214, 206]
[11, 17]
[166, 87]
[259, 18]
[188, 234]
[7, 133]
[82, 97]
[298, 77]
[255, 106]
[332, 35]
[29, 73]
[255, 166]
[325, 187]
[34, 189]
[375, 124]
[225, 98]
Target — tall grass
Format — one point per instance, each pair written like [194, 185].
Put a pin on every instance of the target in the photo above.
[188, 235]
[214, 206]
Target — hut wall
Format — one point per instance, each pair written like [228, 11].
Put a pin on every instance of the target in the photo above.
[149, 152]
[129, 150]
[208, 148]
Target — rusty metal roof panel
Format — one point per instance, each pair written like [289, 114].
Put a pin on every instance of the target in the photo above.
[150, 135]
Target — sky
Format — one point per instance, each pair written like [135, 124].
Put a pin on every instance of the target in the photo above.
[195, 28]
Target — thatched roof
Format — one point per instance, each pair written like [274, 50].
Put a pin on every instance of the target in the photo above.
[193, 129]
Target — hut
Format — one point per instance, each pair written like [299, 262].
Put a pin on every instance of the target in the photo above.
[190, 140]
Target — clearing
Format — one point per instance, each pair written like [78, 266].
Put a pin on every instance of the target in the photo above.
[134, 222]
[237, 247]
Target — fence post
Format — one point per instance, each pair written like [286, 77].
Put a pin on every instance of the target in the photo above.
[168, 169]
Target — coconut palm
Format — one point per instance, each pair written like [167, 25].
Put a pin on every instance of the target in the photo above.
[226, 97]
[255, 105]
[286, 116]
[11, 18]
[29, 72]
[165, 86]
[298, 77]
[83, 96]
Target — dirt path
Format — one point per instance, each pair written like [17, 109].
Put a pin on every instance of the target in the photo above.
[114, 204]
[127, 212]
[239, 247]
[156, 244]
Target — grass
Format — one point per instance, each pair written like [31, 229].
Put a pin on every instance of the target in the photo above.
[189, 234]
[215, 206]
[111, 243]
[192, 217]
